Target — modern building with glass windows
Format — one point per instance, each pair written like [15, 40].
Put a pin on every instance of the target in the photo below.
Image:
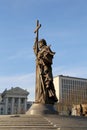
[71, 90]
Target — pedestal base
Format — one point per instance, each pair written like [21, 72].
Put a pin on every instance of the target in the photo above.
[40, 109]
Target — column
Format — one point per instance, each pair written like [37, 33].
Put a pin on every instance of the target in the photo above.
[6, 105]
[12, 110]
[19, 105]
[25, 105]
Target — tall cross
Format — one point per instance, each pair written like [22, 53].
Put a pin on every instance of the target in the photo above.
[36, 49]
[37, 29]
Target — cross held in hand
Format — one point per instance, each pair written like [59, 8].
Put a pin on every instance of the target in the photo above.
[37, 28]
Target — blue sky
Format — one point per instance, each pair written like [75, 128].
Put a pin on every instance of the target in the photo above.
[64, 26]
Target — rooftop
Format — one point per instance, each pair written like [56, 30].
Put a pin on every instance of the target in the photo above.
[70, 77]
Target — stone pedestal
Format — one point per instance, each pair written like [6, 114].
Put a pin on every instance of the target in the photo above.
[41, 109]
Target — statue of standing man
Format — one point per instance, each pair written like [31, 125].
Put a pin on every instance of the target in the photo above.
[44, 91]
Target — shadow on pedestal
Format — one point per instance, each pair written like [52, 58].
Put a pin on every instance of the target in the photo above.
[41, 109]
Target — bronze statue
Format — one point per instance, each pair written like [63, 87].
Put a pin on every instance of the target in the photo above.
[45, 91]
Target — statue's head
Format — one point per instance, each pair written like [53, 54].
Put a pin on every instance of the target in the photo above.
[42, 43]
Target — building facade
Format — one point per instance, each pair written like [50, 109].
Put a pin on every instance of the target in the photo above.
[13, 101]
[70, 90]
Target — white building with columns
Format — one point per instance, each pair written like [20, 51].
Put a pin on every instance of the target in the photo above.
[14, 101]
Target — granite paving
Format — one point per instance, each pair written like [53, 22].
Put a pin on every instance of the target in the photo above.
[44, 122]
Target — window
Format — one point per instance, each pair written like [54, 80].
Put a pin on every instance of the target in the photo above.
[9, 100]
[2, 110]
[9, 110]
[22, 100]
[16, 100]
